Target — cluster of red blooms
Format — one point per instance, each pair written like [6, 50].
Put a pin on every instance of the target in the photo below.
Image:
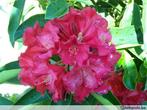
[126, 96]
[87, 57]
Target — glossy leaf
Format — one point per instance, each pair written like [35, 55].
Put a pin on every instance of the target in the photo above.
[31, 96]
[29, 23]
[125, 35]
[56, 8]
[137, 52]
[9, 66]
[4, 101]
[15, 19]
[111, 98]
[130, 71]
[8, 74]
[101, 99]
[143, 70]
[136, 21]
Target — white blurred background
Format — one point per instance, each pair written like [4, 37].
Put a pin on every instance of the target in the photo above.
[7, 52]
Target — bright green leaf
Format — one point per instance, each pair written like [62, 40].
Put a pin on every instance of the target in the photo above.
[127, 16]
[86, 2]
[130, 71]
[8, 74]
[127, 46]
[101, 99]
[15, 18]
[31, 96]
[56, 8]
[125, 35]
[29, 23]
[4, 101]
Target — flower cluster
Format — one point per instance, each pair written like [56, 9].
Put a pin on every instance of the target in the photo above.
[126, 96]
[72, 54]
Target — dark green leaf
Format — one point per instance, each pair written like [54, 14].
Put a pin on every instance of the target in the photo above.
[29, 23]
[8, 74]
[31, 96]
[56, 8]
[137, 52]
[9, 66]
[144, 103]
[145, 88]
[56, 58]
[136, 21]
[15, 18]
[67, 101]
[111, 98]
[4, 101]
[130, 71]
[143, 70]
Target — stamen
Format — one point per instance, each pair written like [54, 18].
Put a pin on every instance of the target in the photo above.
[80, 36]
[73, 50]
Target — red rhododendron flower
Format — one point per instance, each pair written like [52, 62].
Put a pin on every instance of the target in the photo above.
[81, 41]
[126, 96]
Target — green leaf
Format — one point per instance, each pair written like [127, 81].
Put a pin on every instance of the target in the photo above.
[127, 16]
[31, 96]
[144, 103]
[130, 71]
[15, 19]
[145, 88]
[4, 101]
[67, 101]
[143, 70]
[101, 99]
[14, 80]
[127, 46]
[9, 66]
[137, 52]
[136, 21]
[8, 74]
[125, 35]
[111, 98]
[29, 23]
[56, 8]
[86, 2]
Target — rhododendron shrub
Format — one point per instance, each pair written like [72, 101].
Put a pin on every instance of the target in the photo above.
[126, 96]
[69, 55]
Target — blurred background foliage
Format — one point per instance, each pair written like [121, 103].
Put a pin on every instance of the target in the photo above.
[125, 24]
